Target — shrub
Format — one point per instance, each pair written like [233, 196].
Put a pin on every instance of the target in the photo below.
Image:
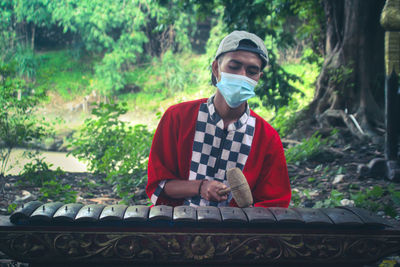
[114, 149]
[378, 199]
[26, 62]
[18, 125]
[308, 149]
[57, 192]
[285, 118]
[332, 201]
[37, 172]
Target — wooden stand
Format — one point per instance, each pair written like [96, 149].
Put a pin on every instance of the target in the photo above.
[97, 235]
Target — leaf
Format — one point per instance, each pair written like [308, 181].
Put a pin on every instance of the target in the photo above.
[375, 192]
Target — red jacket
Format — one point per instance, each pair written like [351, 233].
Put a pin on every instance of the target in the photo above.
[171, 153]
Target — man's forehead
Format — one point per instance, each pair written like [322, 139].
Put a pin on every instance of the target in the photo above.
[244, 57]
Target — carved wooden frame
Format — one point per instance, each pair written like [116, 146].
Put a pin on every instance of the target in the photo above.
[203, 247]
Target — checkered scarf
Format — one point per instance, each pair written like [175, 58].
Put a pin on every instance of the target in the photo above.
[216, 150]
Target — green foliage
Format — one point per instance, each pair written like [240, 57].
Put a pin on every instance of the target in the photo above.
[295, 199]
[170, 76]
[308, 149]
[123, 34]
[165, 76]
[332, 201]
[309, 56]
[261, 18]
[166, 81]
[114, 148]
[311, 28]
[217, 33]
[281, 23]
[120, 30]
[18, 125]
[11, 208]
[174, 76]
[8, 35]
[53, 190]
[342, 75]
[34, 11]
[395, 195]
[285, 118]
[26, 62]
[378, 199]
[18, 20]
[59, 71]
[38, 172]
[274, 87]
[131, 156]
[99, 134]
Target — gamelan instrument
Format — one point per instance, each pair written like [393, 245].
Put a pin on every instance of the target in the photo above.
[97, 234]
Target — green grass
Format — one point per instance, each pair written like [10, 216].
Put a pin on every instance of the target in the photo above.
[58, 71]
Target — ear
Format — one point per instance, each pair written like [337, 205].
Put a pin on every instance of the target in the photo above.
[214, 68]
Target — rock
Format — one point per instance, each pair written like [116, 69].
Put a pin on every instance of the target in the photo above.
[338, 178]
[362, 171]
[377, 167]
[26, 196]
[347, 202]
[380, 213]
[309, 204]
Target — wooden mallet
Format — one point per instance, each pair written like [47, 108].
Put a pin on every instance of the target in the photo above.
[239, 187]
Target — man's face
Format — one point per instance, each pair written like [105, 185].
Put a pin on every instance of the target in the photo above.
[238, 62]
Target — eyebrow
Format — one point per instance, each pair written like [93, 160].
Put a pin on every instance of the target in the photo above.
[239, 62]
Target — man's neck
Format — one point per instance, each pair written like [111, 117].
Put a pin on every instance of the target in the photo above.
[227, 113]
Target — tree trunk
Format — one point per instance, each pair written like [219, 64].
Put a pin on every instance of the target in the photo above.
[33, 28]
[352, 77]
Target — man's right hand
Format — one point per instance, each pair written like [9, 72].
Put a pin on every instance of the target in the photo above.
[209, 191]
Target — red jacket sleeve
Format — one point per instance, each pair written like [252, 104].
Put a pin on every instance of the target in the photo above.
[171, 149]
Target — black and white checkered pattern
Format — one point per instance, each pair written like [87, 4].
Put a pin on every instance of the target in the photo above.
[216, 150]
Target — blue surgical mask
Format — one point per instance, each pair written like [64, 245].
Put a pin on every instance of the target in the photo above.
[236, 89]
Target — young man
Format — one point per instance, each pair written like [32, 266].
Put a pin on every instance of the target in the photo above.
[197, 141]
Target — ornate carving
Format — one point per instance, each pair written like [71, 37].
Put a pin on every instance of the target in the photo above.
[199, 247]
[390, 16]
[392, 52]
